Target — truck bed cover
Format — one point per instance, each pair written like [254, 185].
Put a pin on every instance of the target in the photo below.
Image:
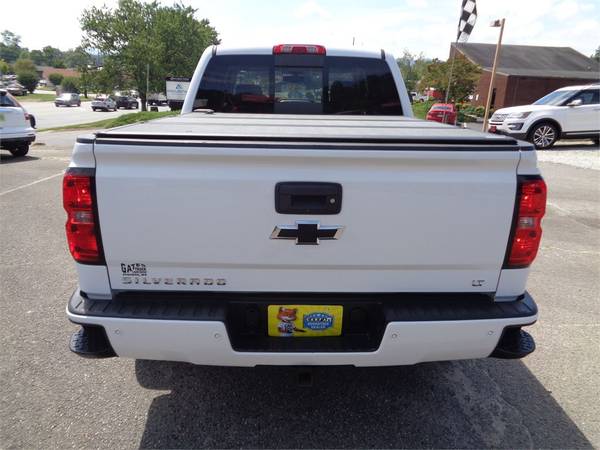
[385, 132]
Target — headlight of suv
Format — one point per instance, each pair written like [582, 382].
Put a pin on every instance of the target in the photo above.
[521, 115]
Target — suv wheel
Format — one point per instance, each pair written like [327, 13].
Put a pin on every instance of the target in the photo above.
[20, 151]
[543, 135]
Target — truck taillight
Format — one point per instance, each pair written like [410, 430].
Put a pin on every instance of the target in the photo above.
[299, 49]
[527, 227]
[79, 201]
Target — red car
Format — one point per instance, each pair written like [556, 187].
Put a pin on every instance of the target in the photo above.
[443, 112]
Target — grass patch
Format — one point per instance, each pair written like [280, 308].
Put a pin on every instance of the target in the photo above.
[125, 119]
[420, 108]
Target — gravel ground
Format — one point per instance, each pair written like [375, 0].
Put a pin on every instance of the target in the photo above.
[584, 154]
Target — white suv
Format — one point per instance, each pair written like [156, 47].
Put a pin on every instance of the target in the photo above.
[571, 112]
[16, 132]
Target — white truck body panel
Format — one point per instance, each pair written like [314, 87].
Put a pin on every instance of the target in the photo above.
[415, 221]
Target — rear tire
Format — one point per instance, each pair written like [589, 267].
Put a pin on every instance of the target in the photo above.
[20, 151]
[543, 135]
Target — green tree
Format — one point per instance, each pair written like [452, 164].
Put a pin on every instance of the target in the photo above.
[38, 57]
[77, 58]
[4, 67]
[53, 56]
[70, 84]
[10, 46]
[136, 36]
[55, 78]
[596, 54]
[24, 65]
[412, 68]
[465, 76]
[28, 79]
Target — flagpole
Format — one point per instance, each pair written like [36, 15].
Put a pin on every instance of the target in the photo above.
[491, 88]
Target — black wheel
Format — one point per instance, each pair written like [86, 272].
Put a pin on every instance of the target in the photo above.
[597, 141]
[94, 109]
[20, 151]
[543, 135]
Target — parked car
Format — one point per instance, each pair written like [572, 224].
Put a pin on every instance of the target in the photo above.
[157, 99]
[240, 235]
[442, 112]
[15, 88]
[416, 97]
[571, 112]
[104, 103]
[16, 131]
[127, 102]
[68, 99]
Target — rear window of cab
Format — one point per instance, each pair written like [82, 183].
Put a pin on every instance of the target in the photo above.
[298, 84]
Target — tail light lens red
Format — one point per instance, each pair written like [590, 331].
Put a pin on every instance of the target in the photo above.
[299, 49]
[83, 234]
[527, 228]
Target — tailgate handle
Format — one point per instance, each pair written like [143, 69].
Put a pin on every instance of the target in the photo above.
[306, 197]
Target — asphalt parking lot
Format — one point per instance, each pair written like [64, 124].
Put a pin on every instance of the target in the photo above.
[50, 398]
[49, 116]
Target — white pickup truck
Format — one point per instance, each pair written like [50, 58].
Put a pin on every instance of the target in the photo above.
[295, 213]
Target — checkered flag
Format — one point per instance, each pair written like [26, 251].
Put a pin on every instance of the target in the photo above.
[467, 20]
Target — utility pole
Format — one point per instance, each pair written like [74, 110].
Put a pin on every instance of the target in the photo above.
[147, 83]
[496, 23]
[451, 70]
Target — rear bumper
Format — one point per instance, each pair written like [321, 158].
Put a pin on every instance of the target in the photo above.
[206, 332]
[10, 141]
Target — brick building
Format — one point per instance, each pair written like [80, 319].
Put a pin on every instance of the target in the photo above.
[526, 73]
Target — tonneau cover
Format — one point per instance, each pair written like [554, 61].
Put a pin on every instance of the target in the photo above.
[202, 126]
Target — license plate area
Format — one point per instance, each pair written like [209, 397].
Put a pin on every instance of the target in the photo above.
[250, 329]
[305, 321]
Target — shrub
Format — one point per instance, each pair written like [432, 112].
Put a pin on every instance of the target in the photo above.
[55, 78]
[28, 79]
[4, 67]
[70, 84]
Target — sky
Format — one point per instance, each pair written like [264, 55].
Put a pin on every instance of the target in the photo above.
[419, 26]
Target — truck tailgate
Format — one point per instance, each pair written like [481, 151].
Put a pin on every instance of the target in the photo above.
[196, 211]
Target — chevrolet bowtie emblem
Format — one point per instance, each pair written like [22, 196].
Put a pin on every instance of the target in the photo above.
[307, 232]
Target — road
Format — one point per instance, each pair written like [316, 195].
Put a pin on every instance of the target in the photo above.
[50, 398]
[49, 116]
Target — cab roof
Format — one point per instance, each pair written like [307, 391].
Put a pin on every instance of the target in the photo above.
[352, 52]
